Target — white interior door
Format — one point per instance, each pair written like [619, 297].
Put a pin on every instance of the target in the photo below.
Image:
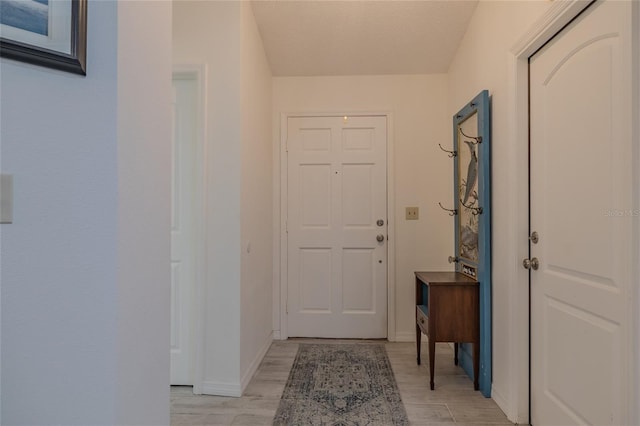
[337, 208]
[581, 201]
[182, 230]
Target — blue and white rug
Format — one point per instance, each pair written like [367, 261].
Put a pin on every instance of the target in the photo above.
[340, 385]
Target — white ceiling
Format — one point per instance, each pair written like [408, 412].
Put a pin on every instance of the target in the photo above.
[324, 37]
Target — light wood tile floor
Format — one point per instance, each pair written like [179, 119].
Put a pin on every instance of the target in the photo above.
[453, 402]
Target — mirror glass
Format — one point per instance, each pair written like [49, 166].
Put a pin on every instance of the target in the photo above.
[468, 188]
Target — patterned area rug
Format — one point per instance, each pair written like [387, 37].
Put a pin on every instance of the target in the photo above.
[340, 385]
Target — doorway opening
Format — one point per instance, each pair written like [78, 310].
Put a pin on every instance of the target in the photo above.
[188, 225]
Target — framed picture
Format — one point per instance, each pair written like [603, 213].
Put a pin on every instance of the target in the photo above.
[50, 33]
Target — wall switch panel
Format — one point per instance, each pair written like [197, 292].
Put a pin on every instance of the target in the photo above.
[6, 198]
[412, 213]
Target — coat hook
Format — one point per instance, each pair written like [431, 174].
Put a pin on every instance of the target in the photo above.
[478, 139]
[451, 153]
[474, 210]
[451, 212]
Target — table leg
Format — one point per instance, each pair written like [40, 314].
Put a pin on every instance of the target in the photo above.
[455, 353]
[418, 339]
[432, 360]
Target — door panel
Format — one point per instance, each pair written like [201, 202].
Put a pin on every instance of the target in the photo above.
[580, 172]
[358, 283]
[315, 271]
[315, 195]
[337, 270]
[357, 195]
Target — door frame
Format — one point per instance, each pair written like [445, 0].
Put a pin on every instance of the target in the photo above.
[280, 223]
[198, 73]
[555, 19]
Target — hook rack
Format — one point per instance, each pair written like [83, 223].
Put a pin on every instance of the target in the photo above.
[451, 212]
[474, 210]
[478, 139]
[451, 153]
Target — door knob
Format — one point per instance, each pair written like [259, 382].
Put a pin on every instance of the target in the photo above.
[532, 263]
[380, 238]
[535, 264]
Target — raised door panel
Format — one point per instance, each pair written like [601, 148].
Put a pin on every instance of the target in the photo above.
[358, 281]
[315, 275]
[314, 195]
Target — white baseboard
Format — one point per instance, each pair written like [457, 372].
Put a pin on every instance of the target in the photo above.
[403, 336]
[246, 378]
[276, 335]
[221, 389]
[503, 404]
[236, 389]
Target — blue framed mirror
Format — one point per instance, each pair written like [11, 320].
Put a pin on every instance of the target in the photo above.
[472, 201]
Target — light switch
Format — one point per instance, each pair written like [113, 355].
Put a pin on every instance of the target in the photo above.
[6, 198]
[411, 213]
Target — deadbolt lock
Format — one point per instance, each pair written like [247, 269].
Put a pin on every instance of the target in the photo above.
[534, 237]
[380, 222]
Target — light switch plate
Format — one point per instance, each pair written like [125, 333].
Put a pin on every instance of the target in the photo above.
[6, 198]
[412, 213]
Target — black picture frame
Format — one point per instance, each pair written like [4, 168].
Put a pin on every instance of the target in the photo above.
[74, 62]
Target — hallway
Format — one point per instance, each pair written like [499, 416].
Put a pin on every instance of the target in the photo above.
[453, 401]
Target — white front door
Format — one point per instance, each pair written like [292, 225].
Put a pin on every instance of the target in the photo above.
[337, 213]
[182, 229]
[581, 200]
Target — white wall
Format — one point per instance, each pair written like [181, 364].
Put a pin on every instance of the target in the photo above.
[223, 35]
[208, 33]
[421, 171]
[256, 199]
[143, 211]
[481, 62]
[58, 137]
[68, 325]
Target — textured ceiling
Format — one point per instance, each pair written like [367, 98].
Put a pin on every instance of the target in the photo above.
[311, 37]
